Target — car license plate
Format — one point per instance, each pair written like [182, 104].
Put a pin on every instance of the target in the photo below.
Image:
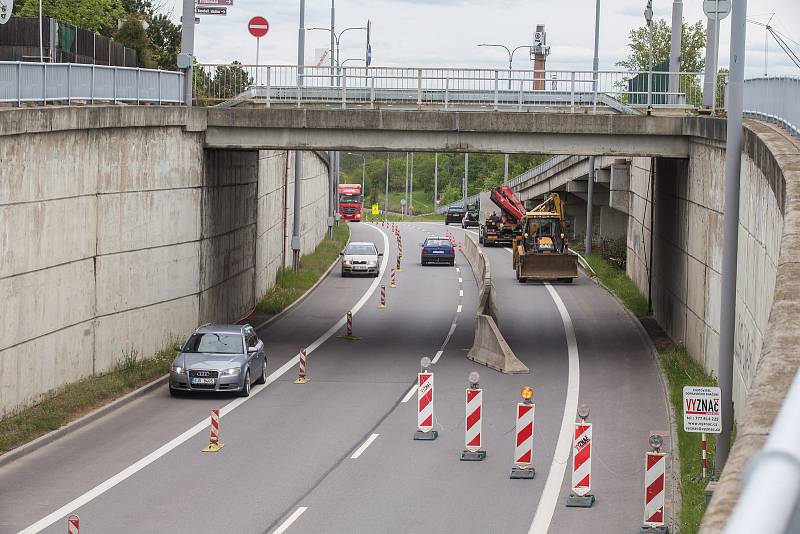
[202, 381]
[359, 267]
[438, 251]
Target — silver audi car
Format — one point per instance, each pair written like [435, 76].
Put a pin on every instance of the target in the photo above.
[219, 358]
[361, 258]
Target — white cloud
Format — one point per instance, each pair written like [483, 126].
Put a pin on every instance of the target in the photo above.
[446, 32]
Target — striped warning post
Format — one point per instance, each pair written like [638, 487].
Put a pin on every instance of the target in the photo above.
[473, 426]
[213, 442]
[654, 477]
[425, 407]
[73, 524]
[301, 373]
[581, 467]
[349, 323]
[394, 278]
[397, 268]
[703, 459]
[383, 297]
[523, 448]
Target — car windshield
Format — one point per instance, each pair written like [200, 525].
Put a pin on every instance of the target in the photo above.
[360, 249]
[215, 343]
[349, 199]
[437, 243]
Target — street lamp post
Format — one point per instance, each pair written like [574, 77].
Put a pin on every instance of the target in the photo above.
[335, 41]
[386, 202]
[510, 55]
[363, 168]
[298, 160]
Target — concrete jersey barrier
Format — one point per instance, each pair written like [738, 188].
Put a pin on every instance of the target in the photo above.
[489, 347]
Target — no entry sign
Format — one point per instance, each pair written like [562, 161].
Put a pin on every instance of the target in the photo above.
[258, 27]
[701, 409]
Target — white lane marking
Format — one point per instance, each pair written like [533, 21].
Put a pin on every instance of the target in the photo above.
[289, 520]
[364, 446]
[438, 355]
[460, 280]
[204, 424]
[410, 393]
[458, 270]
[547, 503]
[460, 292]
[458, 310]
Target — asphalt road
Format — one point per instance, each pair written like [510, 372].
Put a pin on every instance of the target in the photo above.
[336, 454]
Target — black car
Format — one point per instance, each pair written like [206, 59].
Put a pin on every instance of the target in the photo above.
[470, 219]
[455, 214]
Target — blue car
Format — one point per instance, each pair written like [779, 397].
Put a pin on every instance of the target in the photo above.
[438, 250]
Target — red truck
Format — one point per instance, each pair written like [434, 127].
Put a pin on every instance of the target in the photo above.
[350, 201]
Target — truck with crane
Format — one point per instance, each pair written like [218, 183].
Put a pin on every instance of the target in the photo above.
[503, 227]
[541, 251]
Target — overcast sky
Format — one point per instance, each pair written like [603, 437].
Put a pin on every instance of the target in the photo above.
[446, 32]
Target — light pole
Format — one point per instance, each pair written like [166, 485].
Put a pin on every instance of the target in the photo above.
[587, 244]
[298, 160]
[386, 202]
[411, 188]
[466, 180]
[363, 168]
[648, 16]
[335, 40]
[435, 180]
[510, 55]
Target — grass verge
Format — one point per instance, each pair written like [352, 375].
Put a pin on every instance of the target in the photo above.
[70, 402]
[680, 370]
[290, 285]
[618, 282]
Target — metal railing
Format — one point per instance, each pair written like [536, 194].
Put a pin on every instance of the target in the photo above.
[774, 98]
[494, 89]
[68, 83]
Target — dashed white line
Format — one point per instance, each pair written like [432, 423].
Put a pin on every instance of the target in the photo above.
[202, 425]
[458, 310]
[438, 355]
[458, 270]
[364, 446]
[460, 280]
[460, 292]
[410, 393]
[289, 520]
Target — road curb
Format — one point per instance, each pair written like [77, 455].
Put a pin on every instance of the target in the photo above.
[41, 441]
[302, 297]
[675, 466]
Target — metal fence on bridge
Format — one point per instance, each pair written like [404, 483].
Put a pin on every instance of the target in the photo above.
[354, 87]
[774, 98]
[69, 83]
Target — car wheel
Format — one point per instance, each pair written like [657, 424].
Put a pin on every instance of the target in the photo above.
[174, 392]
[263, 378]
[245, 392]
[344, 274]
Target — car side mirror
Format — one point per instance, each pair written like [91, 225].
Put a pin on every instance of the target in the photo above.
[251, 350]
[341, 254]
[380, 254]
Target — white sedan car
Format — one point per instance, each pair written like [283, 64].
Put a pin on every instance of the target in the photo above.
[361, 258]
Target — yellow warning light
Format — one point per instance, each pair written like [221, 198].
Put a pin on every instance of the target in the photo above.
[527, 393]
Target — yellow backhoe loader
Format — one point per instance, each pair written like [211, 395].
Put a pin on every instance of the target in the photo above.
[541, 251]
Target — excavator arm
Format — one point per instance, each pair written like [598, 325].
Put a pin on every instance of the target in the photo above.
[507, 201]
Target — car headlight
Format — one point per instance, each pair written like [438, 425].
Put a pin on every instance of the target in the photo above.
[372, 263]
[233, 371]
[348, 263]
[177, 369]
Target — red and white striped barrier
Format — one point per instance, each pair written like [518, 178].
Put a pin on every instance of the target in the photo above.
[214, 443]
[703, 459]
[301, 372]
[581, 467]
[654, 478]
[397, 268]
[394, 278]
[523, 448]
[383, 297]
[473, 426]
[425, 407]
[349, 323]
[73, 524]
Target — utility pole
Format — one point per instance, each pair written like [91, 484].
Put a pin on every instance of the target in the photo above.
[675, 49]
[505, 169]
[465, 181]
[648, 16]
[587, 244]
[298, 159]
[404, 207]
[435, 179]
[331, 195]
[333, 35]
[730, 245]
[186, 57]
[712, 52]
[411, 188]
[386, 202]
[596, 59]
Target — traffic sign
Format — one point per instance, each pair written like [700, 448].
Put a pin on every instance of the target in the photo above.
[208, 10]
[6, 7]
[214, 2]
[716, 9]
[258, 27]
[375, 209]
[701, 409]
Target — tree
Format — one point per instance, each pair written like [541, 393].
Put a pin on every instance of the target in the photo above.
[132, 35]
[229, 81]
[165, 37]
[98, 16]
[693, 42]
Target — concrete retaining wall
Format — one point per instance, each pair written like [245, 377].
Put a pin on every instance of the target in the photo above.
[119, 238]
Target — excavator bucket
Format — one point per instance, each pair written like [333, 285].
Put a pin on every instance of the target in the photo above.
[547, 267]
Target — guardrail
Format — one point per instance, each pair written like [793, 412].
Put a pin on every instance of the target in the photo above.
[68, 83]
[442, 87]
[774, 98]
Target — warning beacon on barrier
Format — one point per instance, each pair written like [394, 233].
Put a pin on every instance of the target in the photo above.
[523, 449]
[580, 496]
[654, 490]
[472, 429]
[425, 429]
